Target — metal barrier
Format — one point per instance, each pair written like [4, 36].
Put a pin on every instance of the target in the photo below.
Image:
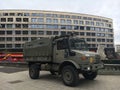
[18, 64]
[111, 67]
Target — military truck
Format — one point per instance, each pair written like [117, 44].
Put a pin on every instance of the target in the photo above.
[66, 56]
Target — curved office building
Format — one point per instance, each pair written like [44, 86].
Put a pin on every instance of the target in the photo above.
[19, 26]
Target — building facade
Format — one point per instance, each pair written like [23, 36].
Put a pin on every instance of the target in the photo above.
[20, 26]
[117, 48]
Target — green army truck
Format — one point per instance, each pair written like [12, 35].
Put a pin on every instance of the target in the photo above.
[66, 56]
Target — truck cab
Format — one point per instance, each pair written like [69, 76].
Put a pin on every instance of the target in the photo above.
[67, 56]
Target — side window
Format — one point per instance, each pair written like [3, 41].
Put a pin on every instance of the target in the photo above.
[62, 44]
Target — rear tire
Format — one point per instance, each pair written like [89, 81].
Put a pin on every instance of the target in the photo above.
[34, 71]
[70, 76]
[90, 75]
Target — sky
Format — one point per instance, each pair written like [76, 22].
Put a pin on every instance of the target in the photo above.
[105, 8]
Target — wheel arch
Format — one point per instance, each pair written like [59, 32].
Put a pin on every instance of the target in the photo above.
[65, 63]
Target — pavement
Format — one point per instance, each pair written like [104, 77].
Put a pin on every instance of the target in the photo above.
[12, 78]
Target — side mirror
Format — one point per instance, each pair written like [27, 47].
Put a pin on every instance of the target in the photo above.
[72, 53]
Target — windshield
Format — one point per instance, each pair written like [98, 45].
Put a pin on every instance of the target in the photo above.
[78, 44]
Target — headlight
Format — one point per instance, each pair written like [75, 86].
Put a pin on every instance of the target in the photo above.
[83, 58]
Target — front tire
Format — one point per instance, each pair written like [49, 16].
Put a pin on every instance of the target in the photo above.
[34, 71]
[90, 75]
[70, 76]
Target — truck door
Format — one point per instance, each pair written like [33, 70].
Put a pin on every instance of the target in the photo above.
[60, 50]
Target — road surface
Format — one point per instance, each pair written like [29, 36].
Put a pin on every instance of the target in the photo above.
[18, 79]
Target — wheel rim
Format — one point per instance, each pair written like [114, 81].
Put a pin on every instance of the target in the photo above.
[67, 76]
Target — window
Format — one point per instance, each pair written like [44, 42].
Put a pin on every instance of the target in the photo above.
[2, 25]
[62, 21]
[33, 38]
[17, 38]
[35, 14]
[33, 32]
[87, 23]
[12, 14]
[48, 20]
[2, 38]
[76, 27]
[75, 21]
[62, 16]
[9, 45]
[36, 26]
[97, 24]
[85, 18]
[17, 45]
[48, 15]
[99, 40]
[82, 33]
[93, 39]
[110, 35]
[25, 32]
[9, 38]
[40, 20]
[92, 28]
[25, 25]
[5, 14]
[69, 21]
[82, 28]
[88, 34]
[87, 28]
[9, 32]
[18, 19]
[81, 22]
[25, 19]
[63, 33]
[67, 16]
[62, 44]
[2, 45]
[26, 14]
[49, 32]
[93, 34]
[17, 25]
[41, 14]
[19, 14]
[69, 33]
[88, 39]
[63, 27]
[55, 32]
[54, 15]
[55, 20]
[74, 17]
[10, 19]
[40, 32]
[9, 26]
[33, 19]
[69, 27]
[52, 26]
[25, 38]
[3, 19]
[76, 33]
[2, 32]
[17, 32]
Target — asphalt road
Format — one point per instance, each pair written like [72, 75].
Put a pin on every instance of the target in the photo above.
[12, 78]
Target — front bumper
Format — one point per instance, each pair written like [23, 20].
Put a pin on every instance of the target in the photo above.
[91, 67]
